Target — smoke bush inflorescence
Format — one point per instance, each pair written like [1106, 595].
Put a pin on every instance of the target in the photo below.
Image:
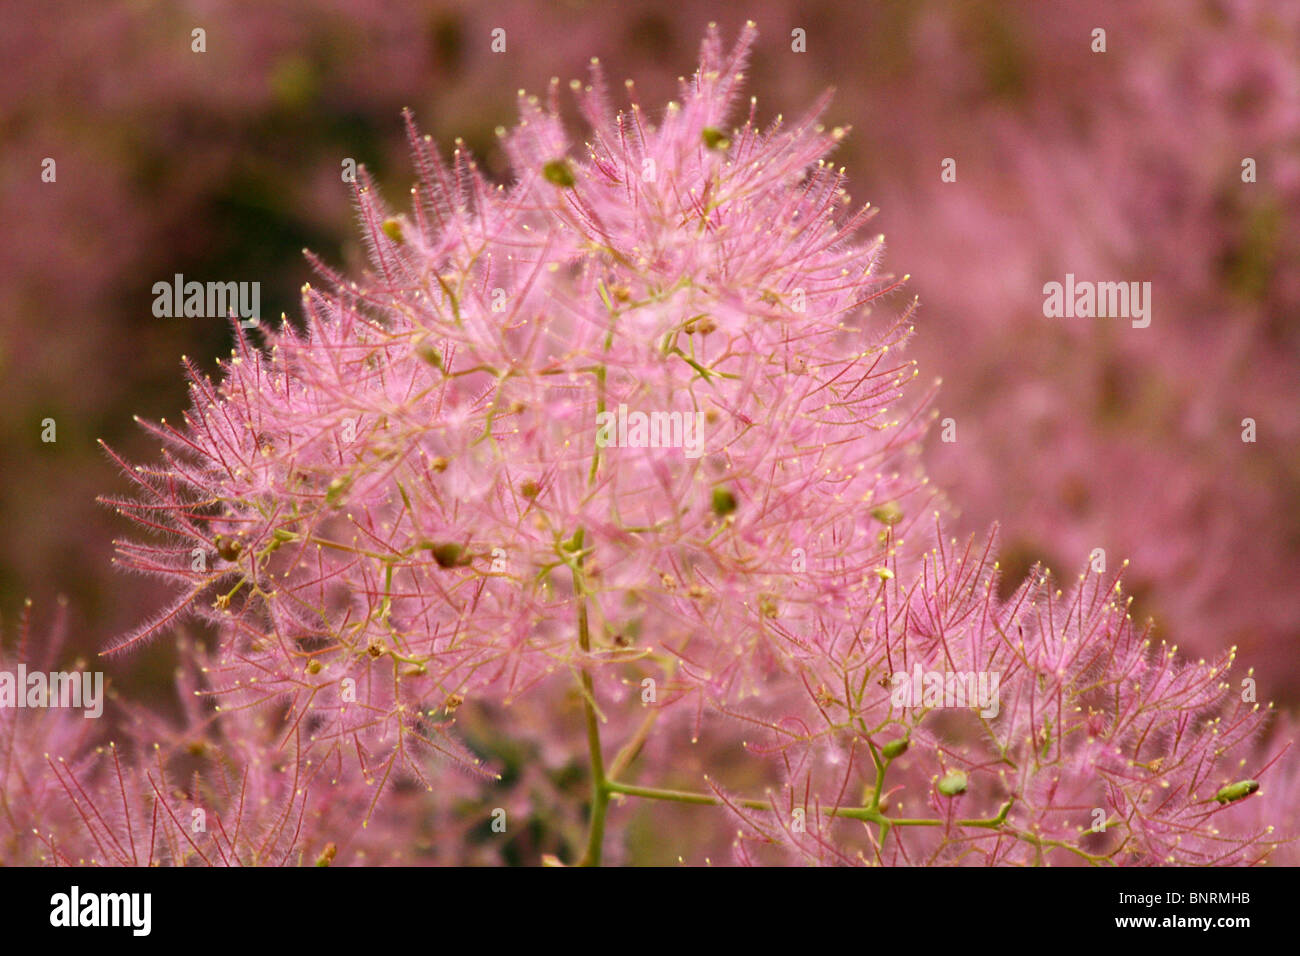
[625, 451]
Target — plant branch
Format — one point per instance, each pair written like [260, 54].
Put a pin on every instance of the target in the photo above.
[599, 784]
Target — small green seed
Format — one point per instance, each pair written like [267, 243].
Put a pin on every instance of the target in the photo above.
[393, 230]
[448, 554]
[558, 173]
[724, 502]
[895, 748]
[953, 784]
[889, 513]
[1237, 791]
[714, 138]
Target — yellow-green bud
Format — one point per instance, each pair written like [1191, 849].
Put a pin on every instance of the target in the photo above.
[889, 513]
[1237, 791]
[557, 172]
[953, 784]
[895, 748]
[724, 502]
[714, 138]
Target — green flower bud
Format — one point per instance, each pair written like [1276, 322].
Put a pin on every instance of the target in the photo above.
[1237, 791]
[895, 748]
[714, 138]
[953, 784]
[448, 554]
[724, 502]
[558, 172]
[889, 513]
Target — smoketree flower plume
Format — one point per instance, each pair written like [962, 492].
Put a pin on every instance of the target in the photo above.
[628, 445]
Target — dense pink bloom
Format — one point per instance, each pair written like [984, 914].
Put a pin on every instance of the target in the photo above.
[409, 491]
[438, 500]
[1099, 746]
[1119, 165]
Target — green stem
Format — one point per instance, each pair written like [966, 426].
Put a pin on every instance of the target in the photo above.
[853, 813]
[633, 746]
[678, 796]
[599, 783]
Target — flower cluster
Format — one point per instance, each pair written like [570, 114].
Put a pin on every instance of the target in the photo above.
[431, 512]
